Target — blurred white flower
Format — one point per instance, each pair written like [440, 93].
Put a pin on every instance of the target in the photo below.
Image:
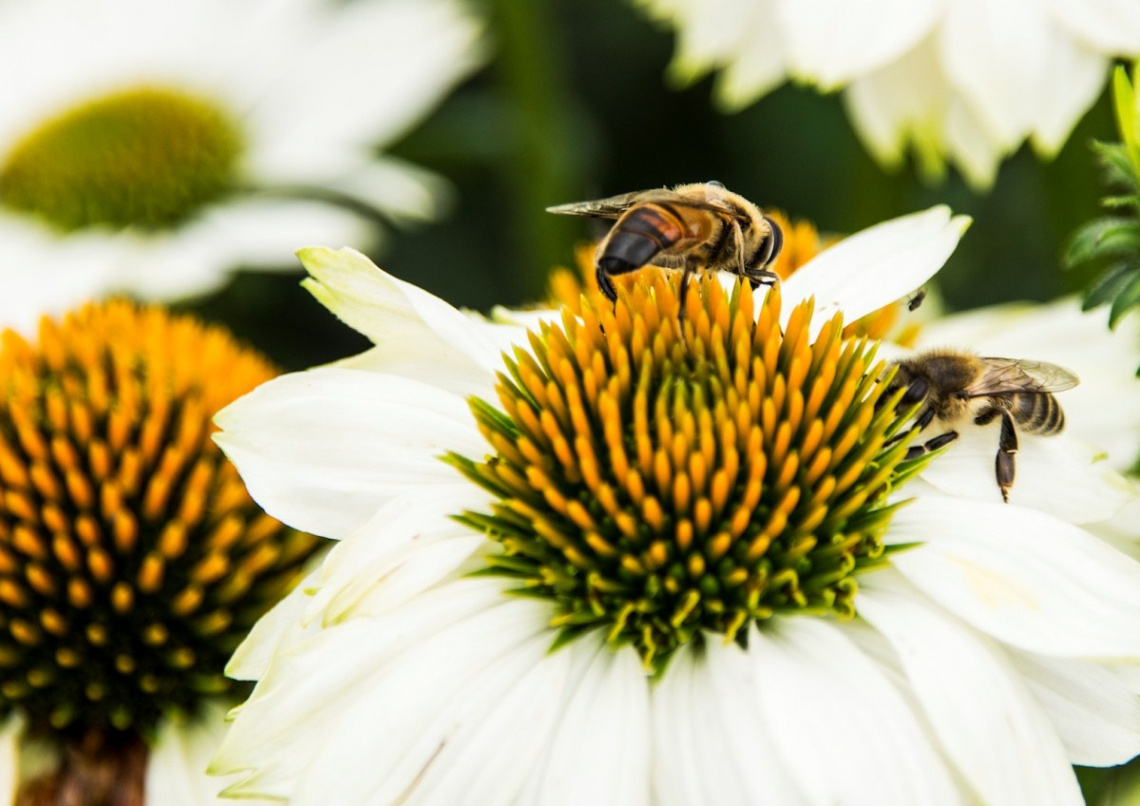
[148, 146]
[969, 81]
[655, 506]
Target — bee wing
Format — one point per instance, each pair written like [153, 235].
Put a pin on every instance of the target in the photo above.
[611, 207]
[1015, 375]
[614, 206]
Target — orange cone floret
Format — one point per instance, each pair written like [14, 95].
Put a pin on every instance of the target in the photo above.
[662, 488]
[802, 242]
[132, 559]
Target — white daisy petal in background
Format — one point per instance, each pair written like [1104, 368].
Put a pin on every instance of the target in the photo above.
[589, 621]
[181, 751]
[224, 155]
[967, 82]
[9, 758]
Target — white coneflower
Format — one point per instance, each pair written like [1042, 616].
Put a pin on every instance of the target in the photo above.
[650, 570]
[970, 81]
[148, 147]
[132, 560]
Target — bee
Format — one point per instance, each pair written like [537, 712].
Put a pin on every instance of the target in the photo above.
[952, 386]
[691, 227]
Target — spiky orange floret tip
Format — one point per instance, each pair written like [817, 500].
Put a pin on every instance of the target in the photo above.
[660, 488]
[132, 559]
[802, 243]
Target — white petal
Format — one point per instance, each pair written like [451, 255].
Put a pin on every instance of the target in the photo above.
[829, 701]
[994, 54]
[176, 766]
[10, 731]
[1110, 26]
[272, 633]
[416, 334]
[1123, 531]
[403, 192]
[877, 266]
[984, 715]
[418, 706]
[395, 58]
[711, 741]
[610, 705]
[493, 747]
[364, 706]
[1072, 81]
[831, 42]
[321, 450]
[1093, 707]
[904, 101]
[41, 273]
[1022, 576]
[409, 545]
[974, 150]
[266, 234]
[1057, 474]
[705, 40]
[759, 63]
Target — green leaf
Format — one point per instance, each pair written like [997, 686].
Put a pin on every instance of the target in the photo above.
[1107, 287]
[1126, 300]
[1127, 115]
[1116, 167]
[1116, 202]
[1102, 237]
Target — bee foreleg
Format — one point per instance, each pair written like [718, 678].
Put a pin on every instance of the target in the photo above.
[758, 277]
[606, 285]
[924, 419]
[1004, 462]
[934, 444]
[690, 267]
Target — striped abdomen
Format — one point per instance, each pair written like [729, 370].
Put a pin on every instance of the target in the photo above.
[640, 236]
[1037, 413]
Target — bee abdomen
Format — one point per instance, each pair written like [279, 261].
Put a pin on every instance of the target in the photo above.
[639, 237]
[1039, 413]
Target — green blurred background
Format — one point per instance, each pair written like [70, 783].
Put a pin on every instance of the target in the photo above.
[574, 104]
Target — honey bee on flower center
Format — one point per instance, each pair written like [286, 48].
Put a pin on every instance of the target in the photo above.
[699, 226]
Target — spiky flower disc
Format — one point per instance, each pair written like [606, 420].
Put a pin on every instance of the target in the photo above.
[659, 487]
[132, 559]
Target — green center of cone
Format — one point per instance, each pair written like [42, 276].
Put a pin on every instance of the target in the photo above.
[147, 157]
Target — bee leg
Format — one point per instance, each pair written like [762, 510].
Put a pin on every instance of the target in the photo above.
[915, 392]
[758, 277]
[1007, 449]
[606, 285]
[930, 445]
[690, 266]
